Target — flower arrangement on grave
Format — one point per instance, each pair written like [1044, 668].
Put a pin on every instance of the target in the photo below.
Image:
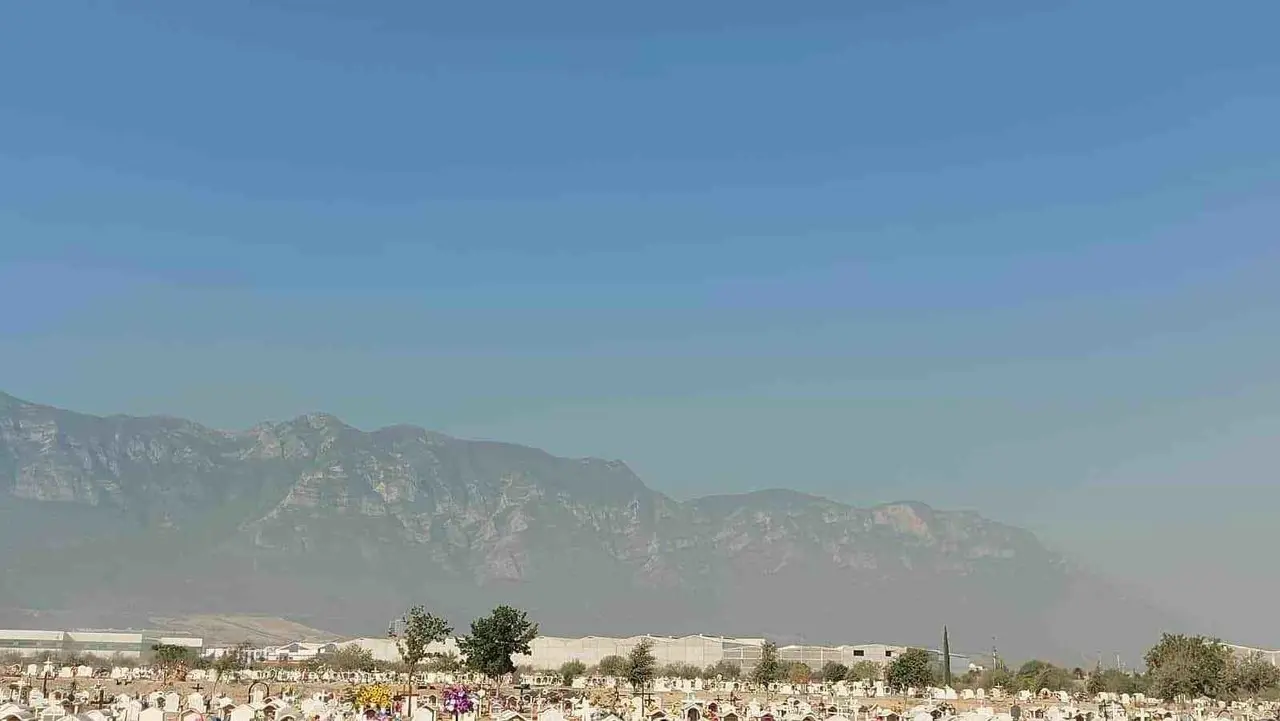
[605, 698]
[374, 695]
[457, 700]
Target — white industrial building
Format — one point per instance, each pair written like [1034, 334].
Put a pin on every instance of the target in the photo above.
[697, 650]
[552, 652]
[104, 644]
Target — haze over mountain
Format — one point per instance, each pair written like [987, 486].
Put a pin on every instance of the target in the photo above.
[123, 517]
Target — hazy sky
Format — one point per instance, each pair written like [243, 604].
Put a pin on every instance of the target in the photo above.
[1019, 257]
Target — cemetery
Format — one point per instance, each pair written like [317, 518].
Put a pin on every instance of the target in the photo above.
[46, 692]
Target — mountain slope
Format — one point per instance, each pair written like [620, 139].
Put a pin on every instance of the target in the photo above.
[341, 528]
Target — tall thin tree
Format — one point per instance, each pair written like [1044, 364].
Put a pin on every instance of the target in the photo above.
[946, 659]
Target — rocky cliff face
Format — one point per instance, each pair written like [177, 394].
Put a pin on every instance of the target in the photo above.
[339, 527]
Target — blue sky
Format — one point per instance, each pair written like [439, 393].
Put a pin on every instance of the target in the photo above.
[1018, 257]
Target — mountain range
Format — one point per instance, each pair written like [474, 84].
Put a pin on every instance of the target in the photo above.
[112, 520]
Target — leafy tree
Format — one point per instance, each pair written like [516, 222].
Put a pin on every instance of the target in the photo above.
[912, 668]
[570, 670]
[1035, 675]
[799, 672]
[1097, 681]
[833, 671]
[865, 671]
[350, 658]
[235, 659]
[769, 668]
[1251, 675]
[641, 665]
[680, 670]
[1113, 680]
[1189, 666]
[495, 639]
[615, 666]
[447, 662]
[170, 657]
[725, 669]
[998, 676]
[421, 629]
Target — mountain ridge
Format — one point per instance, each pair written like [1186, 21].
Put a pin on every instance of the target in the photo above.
[277, 517]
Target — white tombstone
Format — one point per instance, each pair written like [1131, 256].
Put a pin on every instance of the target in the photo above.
[423, 712]
[196, 702]
[243, 712]
[151, 713]
[172, 702]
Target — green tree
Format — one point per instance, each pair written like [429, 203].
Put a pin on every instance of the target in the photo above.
[350, 658]
[833, 671]
[768, 669]
[946, 658]
[1189, 666]
[1036, 675]
[570, 670]
[421, 629]
[1116, 681]
[725, 669]
[235, 659]
[615, 666]
[495, 639]
[1251, 675]
[680, 670]
[1097, 681]
[641, 666]
[865, 672]
[913, 668]
[799, 672]
[447, 662]
[998, 676]
[169, 656]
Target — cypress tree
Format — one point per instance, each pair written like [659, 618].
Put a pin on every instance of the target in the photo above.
[946, 659]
